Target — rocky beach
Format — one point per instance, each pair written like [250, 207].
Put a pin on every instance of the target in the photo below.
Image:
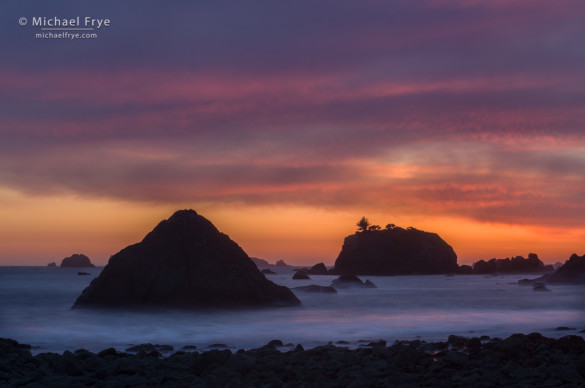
[517, 361]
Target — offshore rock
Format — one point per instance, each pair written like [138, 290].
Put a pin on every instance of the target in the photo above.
[77, 261]
[317, 289]
[572, 272]
[301, 275]
[351, 281]
[540, 287]
[395, 251]
[318, 269]
[516, 264]
[185, 262]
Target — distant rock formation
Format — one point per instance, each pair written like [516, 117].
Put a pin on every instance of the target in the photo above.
[316, 289]
[395, 251]
[572, 272]
[77, 261]
[516, 264]
[351, 281]
[185, 262]
[318, 269]
[281, 263]
[52, 264]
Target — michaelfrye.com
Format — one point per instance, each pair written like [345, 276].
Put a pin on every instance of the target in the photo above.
[78, 27]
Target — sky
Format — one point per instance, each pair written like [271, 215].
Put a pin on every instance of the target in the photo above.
[285, 122]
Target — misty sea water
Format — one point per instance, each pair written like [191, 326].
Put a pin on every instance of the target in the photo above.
[35, 308]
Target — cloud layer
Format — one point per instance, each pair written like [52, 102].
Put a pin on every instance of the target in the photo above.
[461, 108]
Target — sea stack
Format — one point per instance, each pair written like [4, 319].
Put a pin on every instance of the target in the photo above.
[572, 272]
[77, 260]
[395, 251]
[185, 262]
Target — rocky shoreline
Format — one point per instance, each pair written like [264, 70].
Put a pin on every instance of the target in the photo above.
[517, 361]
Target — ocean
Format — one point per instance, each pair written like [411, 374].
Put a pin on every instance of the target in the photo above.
[35, 308]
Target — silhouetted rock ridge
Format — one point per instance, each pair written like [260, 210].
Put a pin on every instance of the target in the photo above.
[184, 262]
[572, 272]
[395, 251]
[516, 264]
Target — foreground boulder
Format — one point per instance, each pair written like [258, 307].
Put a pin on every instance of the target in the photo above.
[395, 251]
[77, 261]
[184, 262]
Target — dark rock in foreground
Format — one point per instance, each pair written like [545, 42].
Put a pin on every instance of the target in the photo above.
[185, 262]
[317, 289]
[351, 281]
[520, 360]
[77, 261]
[267, 271]
[395, 251]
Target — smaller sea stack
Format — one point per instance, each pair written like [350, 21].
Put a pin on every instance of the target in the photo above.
[395, 251]
[77, 260]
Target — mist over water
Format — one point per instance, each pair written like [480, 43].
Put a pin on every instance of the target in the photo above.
[35, 307]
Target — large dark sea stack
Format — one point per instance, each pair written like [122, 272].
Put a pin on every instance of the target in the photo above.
[77, 261]
[185, 262]
[395, 251]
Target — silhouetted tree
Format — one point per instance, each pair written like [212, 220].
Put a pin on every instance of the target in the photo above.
[363, 224]
[390, 226]
[374, 227]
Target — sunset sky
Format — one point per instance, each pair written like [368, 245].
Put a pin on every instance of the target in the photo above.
[284, 122]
